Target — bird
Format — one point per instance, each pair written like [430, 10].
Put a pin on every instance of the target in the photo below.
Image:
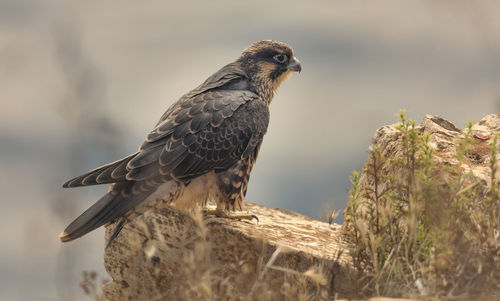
[202, 148]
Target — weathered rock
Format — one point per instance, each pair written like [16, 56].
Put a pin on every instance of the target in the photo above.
[445, 139]
[397, 177]
[171, 255]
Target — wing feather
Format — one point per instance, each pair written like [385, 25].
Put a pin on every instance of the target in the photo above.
[213, 138]
[146, 157]
[120, 171]
[104, 176]
[90, 178]
[207, 129]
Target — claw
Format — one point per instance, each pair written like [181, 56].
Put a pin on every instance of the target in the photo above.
[225, 214]
[256, 218]
[208, 212]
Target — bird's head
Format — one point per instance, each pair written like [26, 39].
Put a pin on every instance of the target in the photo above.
[268, 63]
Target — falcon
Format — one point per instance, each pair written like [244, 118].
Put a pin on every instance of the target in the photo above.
[203, 148]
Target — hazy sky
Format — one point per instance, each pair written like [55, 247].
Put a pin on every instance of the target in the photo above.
[82, 83]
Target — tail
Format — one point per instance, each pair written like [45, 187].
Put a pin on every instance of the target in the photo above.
[116, 203]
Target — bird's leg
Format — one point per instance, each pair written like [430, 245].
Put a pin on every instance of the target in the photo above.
[240, 216]
[219, 212]
[232, 185]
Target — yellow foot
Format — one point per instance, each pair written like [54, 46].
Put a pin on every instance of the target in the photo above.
[232, 215]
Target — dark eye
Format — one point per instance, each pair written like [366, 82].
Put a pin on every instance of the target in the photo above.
[280, 58]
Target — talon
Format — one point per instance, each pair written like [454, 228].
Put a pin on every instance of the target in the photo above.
[225, 214]
[213, 212]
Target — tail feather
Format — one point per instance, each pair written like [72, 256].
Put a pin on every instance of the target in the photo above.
[118, 228]
[108, 208]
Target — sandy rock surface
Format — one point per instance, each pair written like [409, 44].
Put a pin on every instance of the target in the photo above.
[170, 255]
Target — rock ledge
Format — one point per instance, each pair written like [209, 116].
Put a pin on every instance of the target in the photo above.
[169, 254]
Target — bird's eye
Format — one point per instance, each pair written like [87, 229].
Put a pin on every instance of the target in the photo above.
[280, 58]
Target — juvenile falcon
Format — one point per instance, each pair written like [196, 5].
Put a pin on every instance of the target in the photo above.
[203, 148]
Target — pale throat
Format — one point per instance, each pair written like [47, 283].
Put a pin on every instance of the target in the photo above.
[267, 87]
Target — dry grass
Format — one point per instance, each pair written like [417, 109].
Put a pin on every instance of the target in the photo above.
[203, 278]
[418, 229]
[256, 272]
[424, 229]
[91, 284]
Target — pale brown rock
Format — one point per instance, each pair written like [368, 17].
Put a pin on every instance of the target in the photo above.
[172, 255]
[169, 255]
[444, 138]
[384, 172]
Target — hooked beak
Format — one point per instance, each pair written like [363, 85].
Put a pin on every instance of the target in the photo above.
[294, 65]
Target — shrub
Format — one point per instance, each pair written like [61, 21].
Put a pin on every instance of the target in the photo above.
[421, 227]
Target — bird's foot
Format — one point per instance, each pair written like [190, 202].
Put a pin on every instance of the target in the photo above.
[230, 215]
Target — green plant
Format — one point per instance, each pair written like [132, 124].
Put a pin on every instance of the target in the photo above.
[421, 227]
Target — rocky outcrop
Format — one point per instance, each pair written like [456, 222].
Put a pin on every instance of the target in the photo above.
[445, 139]
[172, 255]
[430, 183]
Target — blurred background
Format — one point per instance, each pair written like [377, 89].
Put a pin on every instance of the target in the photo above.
[82, 82]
